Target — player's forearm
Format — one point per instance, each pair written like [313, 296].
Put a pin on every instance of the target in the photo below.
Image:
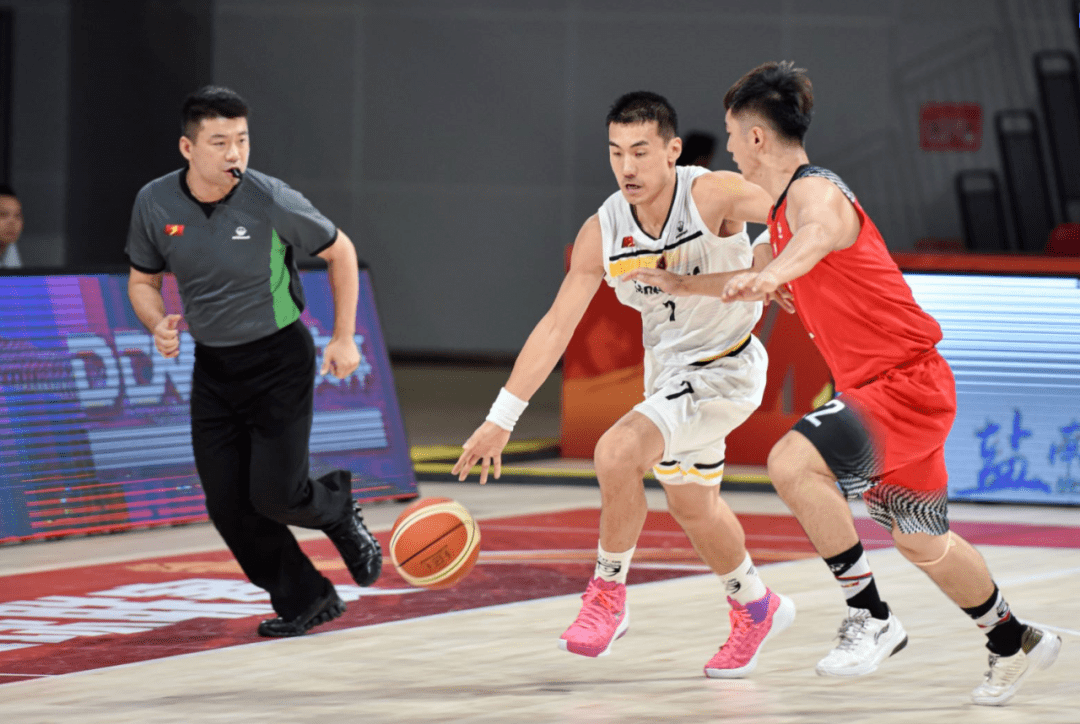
[147, 301]
[807, 247]
[712, 285]
[708, 285]
[344, 277]
[542, 351]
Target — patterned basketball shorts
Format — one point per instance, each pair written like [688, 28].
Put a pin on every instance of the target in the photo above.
[914, 511]
[841, 437]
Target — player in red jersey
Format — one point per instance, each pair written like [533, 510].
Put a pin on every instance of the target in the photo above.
[882, 438]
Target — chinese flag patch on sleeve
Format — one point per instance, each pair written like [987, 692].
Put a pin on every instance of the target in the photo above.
[174, 229]
[627, 242]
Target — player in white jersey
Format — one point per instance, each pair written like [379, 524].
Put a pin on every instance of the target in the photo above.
[696, 350]
[704, 373]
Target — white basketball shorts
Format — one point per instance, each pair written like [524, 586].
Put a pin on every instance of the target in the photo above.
[696, 407]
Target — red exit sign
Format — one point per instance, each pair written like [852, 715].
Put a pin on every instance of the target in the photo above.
[950, 126]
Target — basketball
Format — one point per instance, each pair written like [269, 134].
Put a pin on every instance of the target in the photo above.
[434, 543]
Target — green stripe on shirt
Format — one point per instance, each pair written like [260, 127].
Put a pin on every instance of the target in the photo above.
[285, 310]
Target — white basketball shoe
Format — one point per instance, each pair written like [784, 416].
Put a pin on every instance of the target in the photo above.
[865, 642]
[1038, 649]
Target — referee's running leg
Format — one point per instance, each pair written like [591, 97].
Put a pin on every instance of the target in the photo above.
[251, 410]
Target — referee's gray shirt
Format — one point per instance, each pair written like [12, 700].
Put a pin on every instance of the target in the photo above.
[233, 259]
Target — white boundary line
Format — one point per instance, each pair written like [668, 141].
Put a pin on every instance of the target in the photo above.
[1045, 576]
[33, 676]
[1055, 629]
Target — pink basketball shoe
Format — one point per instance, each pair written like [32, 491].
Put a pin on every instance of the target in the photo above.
[751, 626]
[604, 617]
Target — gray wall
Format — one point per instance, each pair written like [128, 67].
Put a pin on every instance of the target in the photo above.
[462, 144]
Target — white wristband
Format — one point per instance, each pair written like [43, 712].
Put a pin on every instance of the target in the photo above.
[506, 410]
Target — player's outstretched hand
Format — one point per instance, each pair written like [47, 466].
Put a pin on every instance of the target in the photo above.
[750, 287]
[783, 297]
[341, 357]
[673, 284]
[484, 446]
[167, 336]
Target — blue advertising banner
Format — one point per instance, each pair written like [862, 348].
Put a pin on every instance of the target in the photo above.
[96, 428]
[1014, 346]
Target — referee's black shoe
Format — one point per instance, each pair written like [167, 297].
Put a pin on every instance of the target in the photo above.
[326, 608]
[358, 547]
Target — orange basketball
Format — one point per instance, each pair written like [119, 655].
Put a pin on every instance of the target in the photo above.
[435, 543]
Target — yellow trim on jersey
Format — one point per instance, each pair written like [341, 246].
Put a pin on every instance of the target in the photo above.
[726, 352]
[624, 266]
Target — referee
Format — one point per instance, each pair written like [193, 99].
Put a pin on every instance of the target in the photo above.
[229, 235]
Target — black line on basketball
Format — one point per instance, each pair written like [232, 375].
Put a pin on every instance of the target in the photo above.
[460, 524]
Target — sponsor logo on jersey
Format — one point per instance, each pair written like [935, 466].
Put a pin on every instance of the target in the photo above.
[241, 233]
[627, 242]
[174, 229]
[662, 263]
[643, 289]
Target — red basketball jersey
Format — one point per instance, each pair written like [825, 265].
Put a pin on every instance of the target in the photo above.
[855, 303]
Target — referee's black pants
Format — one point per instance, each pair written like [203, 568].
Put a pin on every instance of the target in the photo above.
[251, 412]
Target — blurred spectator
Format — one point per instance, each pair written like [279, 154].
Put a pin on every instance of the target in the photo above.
[11, 227]
[697, 149]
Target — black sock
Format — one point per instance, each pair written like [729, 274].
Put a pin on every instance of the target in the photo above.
[852, 571]
[1003, 632]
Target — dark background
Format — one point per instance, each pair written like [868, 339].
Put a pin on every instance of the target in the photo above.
[461, 145]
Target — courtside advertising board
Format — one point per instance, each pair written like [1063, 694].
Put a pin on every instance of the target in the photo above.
[96, 425]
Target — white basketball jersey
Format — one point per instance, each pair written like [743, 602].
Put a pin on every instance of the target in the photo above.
[677, 330]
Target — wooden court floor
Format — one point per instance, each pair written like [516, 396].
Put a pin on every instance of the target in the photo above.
[501, 663]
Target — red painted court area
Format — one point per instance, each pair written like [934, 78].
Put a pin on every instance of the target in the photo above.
[88, 617]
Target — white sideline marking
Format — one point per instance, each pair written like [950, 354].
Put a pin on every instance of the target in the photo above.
[36, 676]
[1055, 629]
[1046, 576]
